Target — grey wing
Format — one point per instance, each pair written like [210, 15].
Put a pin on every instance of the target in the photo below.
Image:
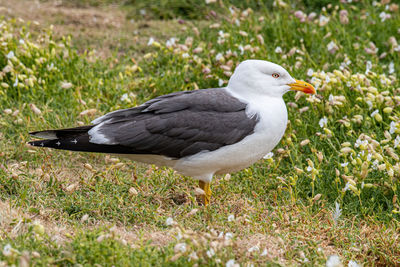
[177, 125]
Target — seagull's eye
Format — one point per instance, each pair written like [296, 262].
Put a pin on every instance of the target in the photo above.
[275, 75]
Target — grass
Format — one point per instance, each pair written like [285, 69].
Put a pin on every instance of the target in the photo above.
[330, 188]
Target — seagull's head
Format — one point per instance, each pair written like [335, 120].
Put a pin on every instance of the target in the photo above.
[259, 77]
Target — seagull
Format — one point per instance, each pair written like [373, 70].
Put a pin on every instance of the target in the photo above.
[198, 133]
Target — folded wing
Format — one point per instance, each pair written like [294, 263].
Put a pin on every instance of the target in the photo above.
[175, 125]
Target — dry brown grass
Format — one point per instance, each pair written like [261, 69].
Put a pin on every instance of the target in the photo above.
[287, 235]
[284, 231]
[104, 29]
[14, 221]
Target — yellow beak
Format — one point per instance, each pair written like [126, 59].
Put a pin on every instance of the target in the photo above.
[303, 87]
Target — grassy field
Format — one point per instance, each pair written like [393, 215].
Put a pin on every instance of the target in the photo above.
[330, 188]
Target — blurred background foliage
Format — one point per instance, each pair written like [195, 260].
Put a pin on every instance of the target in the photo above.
[199, 9]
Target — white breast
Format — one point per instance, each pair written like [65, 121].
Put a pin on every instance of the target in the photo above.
[267, 134]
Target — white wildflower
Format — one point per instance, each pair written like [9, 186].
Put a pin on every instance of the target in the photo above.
[311, 16]
[124, 97]
[278, 50]
[360, 142]
[369, 103]
[197, 50]
[10, 55]
[323, 122]
[368, 67]
[393, 127]
[7, 250]
[185, 55]
[269, 155]
[323, 20]
[336, 213]
[346, 187]
[219, 57]
[374, 113]
[309, 168]
[375, 164]
[180, 247]
[241, 48]
[353, 264]
[391, 67]
[332, 47]
[334, 261]
[228, 236]
[193, 256]
[169, 221]
[85, 217]
[21, 41]
[178, 235]
[397, 141]
[151, 41]
[230, 263]
[264, 253]
[253, 249]
[327, 79]
[51, 66]
[210, 253]
[383, 15]
[16, 82]
[170, 42]
[231, 218]
[344, 164]
[66, 85]
[310, 72]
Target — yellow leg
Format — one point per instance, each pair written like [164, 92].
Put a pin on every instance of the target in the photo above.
[207, 192]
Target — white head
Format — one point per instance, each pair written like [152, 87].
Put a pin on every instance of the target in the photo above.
[258, 77]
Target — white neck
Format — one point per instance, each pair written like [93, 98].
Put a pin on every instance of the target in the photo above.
[257, 103]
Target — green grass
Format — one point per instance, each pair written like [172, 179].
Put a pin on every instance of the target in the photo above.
[284, 204]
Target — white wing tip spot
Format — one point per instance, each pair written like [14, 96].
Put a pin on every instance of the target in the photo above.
[46, 135]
